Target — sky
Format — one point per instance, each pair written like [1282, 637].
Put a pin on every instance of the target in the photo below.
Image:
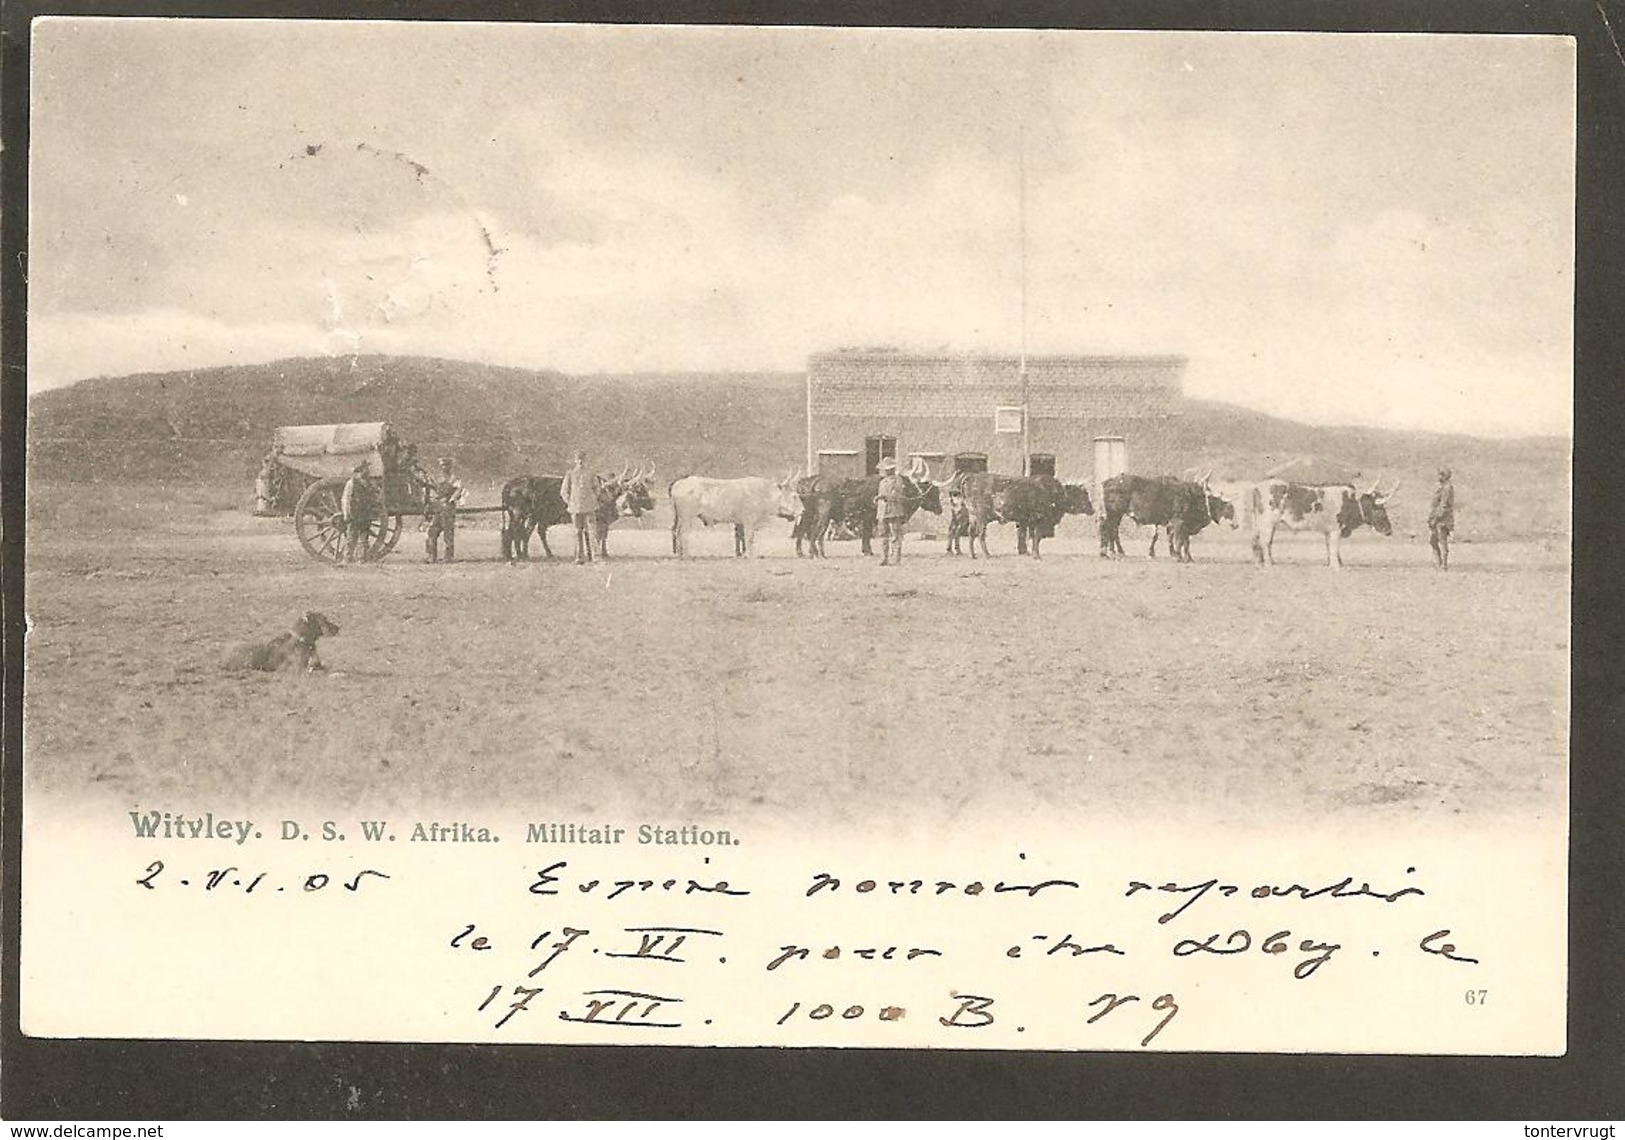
[1358, 229]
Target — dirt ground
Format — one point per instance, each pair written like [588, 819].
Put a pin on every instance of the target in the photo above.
[945, 692]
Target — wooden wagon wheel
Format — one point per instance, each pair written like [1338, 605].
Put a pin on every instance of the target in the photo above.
[386, 533]
[319, 519]
[383, 532]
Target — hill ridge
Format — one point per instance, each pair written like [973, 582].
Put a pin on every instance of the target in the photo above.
[213, 425]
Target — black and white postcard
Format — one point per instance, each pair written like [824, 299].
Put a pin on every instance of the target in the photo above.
[798, 536]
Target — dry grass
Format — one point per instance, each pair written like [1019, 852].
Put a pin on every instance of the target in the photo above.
[940, 691]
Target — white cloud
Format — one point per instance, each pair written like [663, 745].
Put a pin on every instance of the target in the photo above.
[679, 279]
[1320, 242]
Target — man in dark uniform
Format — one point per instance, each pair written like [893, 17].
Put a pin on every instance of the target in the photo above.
[1441, 519]
[445, 492]
[890, 512]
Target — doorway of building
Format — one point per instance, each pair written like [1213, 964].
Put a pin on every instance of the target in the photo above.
[970, 463]
[876, 448]
[1041, 465]
[1111, 457]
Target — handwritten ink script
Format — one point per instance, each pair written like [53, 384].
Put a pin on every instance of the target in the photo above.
[573, 972]
[1065, 946]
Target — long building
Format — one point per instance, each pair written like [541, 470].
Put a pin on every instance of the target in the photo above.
[1089, 417]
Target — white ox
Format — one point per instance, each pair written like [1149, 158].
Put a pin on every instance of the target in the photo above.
[746, 503]
[1335, 511]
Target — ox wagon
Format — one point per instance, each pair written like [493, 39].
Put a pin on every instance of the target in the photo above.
[304, 474]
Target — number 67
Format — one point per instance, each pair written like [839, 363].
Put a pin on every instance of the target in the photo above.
[1477, 997]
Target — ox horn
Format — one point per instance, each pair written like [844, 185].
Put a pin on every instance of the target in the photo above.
[1394, 490]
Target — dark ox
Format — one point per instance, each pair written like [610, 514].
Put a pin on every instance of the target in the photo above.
[1335, 511]
[1035, 503]
[534, 503]
[530, 503]
[818, 499]
[1181, 506]
[828, 502]
[620, 496]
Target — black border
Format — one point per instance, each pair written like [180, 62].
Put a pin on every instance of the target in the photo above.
[155, 1080]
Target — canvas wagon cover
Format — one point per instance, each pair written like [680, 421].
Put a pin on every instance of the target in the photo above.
[321, 450]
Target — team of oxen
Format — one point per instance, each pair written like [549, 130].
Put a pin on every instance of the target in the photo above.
[1034, 504]
[819, 505]
[1181, 508]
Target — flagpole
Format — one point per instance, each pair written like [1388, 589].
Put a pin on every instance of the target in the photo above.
[1026, 435]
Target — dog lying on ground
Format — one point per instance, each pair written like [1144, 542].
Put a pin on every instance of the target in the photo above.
[294, 650]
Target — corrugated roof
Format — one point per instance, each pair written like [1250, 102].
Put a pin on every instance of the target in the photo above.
[1001, 358]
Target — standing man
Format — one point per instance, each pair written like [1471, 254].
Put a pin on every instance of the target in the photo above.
[355, 505]
[890, 511]
[265, 490]
[958, 519]
[445, 492]
[1442, 519]
[580, 494]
